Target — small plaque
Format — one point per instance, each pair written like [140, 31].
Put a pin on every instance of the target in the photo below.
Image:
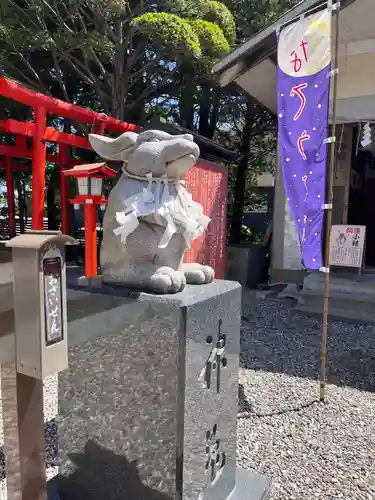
[53, 300]
[347, 244]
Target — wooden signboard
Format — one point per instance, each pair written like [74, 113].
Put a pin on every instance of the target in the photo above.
[347, 246]
[208, 184]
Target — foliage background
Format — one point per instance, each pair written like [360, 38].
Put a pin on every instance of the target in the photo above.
[137, 59]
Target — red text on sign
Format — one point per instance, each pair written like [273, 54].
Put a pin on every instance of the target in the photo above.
[297, 61]
[298, 91]
[303, 137]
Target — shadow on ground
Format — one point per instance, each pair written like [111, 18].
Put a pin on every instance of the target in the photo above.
[102, 474]
[277, 339]
[97, 474]
[2, 464]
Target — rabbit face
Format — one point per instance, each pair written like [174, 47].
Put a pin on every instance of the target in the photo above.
[152, 151]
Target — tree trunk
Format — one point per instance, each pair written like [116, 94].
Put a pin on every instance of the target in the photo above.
[208, 111]
[135, 105]
[118, 85]
[52, 210]
[240, 185]
[187, 97]
[136, 113]
[204, 111]
[214, 113]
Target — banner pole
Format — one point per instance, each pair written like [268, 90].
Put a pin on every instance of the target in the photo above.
[328, 218]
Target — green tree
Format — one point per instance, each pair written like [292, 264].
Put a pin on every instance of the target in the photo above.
[119, 53]
[116, 56]
[252, 128]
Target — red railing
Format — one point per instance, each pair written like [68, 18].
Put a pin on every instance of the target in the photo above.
[41, 134]
[19, 93]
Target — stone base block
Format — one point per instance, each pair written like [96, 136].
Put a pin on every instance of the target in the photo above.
[148, 406]
[250, 486]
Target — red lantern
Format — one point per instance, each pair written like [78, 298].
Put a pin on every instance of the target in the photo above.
[90, 194]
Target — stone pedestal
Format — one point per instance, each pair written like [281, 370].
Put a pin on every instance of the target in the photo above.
[148, 406]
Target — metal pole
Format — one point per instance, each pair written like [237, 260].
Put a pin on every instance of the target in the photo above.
[328, 218]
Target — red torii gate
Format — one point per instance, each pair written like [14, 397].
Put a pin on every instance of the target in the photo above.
[41, 134]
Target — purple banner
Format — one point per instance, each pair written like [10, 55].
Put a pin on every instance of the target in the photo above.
[303, 106]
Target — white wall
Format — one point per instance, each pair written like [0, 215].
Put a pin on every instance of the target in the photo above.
[357, 75]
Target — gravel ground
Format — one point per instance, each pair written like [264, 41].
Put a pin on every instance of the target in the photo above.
[311, 451]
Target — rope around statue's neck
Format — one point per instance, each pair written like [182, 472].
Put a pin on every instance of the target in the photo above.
[148, 177]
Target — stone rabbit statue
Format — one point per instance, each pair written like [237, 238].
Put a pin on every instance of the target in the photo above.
[151, 218]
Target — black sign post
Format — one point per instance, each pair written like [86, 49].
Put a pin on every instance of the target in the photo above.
[53, 302]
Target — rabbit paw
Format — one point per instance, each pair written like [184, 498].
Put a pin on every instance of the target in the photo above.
[167, 280]
[197, 274]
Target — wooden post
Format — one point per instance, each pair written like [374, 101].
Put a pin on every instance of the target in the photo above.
[91, 260]
[24, 442]
[10, 429]
[39, 168]
[23, 424]
[328, 218]
[31, 437]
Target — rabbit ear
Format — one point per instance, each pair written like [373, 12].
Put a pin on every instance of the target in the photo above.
[113, 149]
